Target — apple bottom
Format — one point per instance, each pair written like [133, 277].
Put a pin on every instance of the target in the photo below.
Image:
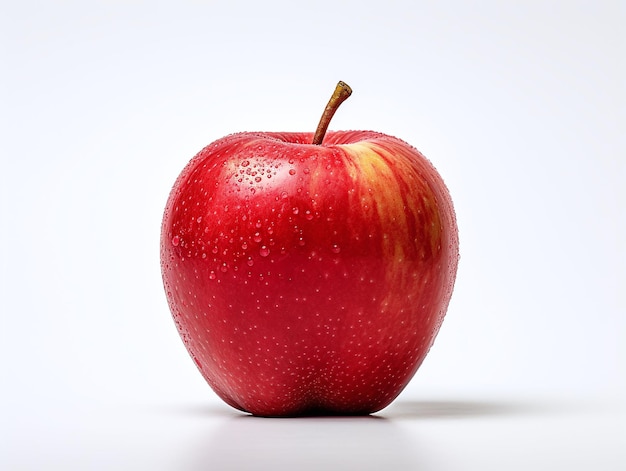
[326, 393]
[342, 341]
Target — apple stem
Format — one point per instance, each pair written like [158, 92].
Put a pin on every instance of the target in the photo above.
[341, 93]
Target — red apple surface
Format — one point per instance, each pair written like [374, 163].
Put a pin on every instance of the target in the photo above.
[309, 278]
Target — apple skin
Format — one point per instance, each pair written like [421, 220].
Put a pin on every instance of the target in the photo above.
[309, 279]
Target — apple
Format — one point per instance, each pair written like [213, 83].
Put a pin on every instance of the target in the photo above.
[309, 273]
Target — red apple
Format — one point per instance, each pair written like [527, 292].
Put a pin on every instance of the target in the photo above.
[309, 278]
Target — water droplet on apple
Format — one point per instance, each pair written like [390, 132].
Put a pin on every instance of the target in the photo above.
[295, 210]
[224, 268]
[250, 261]
[257, 179]
[308, 215]
[257, 237]
[306, 170]
[264, 251]
[212, 275]
[175, 241]
[199, 219]
[292, 171]
[335, 248]
[245, 163]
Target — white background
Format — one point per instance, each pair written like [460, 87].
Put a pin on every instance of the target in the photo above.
[519, 104]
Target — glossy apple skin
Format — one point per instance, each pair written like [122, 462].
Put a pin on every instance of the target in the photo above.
[309, 279]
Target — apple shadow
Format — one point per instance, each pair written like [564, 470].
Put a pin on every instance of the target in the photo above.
[385, 440]
[241, 441]
[452, 409]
